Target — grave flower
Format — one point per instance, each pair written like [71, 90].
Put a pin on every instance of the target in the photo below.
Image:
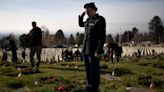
[152, 85]
[36, 82]
[67, 66]
[76, 67]
[61, 88]
[19, 75]
[113, 73]
[128, 88]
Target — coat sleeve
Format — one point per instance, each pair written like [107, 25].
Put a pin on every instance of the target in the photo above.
[101, 35]
[81, 23]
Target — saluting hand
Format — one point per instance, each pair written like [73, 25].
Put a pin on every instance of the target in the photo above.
[83, 14]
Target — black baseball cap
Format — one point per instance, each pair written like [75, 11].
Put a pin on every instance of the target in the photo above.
[90, 5]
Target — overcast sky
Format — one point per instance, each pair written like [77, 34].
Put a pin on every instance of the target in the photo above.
[16, 15]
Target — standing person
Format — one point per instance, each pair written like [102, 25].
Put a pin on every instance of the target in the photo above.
[114, 48]
[35, 44]
[139, 53]
[4, 56]
[95, 32]
[77, 55]
[119, 52]
[111, 54]
[13, 48]
[153, 51]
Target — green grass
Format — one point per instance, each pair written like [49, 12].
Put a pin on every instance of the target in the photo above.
[71, 76]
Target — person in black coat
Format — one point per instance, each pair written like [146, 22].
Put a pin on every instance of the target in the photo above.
[4, 57]
[115, 48]
[35, 44]
[13, 48]
[94, 38]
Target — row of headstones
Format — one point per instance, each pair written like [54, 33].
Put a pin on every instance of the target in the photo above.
[55, 54]
[48, 54]
[145, 51]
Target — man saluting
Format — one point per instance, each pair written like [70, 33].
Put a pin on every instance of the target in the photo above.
[95, 32]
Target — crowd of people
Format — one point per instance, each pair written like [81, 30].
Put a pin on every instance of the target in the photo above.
[68, 55]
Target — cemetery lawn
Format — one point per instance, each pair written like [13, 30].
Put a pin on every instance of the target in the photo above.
[70, 76]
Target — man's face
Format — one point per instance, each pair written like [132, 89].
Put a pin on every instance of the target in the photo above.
[33, 25]
[90, 12]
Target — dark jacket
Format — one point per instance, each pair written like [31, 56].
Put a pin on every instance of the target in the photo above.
[118, 50]
[36, 37]
[13, 45]
[95, 32]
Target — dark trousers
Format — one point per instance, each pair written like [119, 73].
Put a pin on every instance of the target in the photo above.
[14, 56]
[111, 57]
[92, 72]
[37, 50]
[117, 57]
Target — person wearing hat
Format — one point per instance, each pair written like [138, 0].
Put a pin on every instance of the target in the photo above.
[94, 38]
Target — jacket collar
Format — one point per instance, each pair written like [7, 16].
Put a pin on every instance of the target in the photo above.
[94, 17]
